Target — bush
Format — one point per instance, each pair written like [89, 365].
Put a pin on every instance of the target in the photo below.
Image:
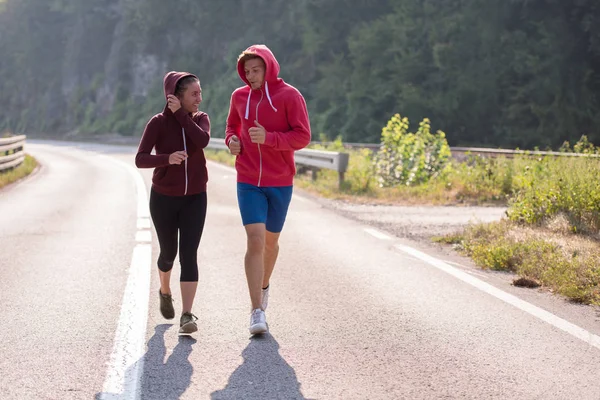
[559, 186]
[410, 158]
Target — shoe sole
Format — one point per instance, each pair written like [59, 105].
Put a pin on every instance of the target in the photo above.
[257, 329]
[188, 328]
[167, 316]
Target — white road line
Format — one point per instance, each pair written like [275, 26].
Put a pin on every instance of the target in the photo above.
[143, 237]
[377, 234]
[126, 361]
[143, 223]
[566, 326]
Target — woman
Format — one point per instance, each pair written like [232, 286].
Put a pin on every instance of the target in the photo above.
[178, 195]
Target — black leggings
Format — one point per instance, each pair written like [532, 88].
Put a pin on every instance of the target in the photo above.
[184, 215]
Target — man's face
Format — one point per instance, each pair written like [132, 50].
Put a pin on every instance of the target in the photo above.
[255, 72]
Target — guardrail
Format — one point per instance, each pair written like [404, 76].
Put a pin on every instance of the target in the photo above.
[309, 159]
[462, 152]
[11, 152]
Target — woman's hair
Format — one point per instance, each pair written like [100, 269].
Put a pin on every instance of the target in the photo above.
[183, 83]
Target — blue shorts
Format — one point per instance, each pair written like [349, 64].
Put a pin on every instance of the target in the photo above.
[264, 205]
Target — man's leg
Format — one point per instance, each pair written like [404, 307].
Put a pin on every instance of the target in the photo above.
[279, 199]
[253, 209]
[254, 261]
[271, 252]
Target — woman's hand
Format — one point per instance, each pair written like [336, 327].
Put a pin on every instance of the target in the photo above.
[178, 157]
[173, 103]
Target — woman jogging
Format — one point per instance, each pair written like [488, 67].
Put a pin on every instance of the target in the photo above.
[178, 200]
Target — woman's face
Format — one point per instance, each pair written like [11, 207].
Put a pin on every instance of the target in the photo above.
[191, 98]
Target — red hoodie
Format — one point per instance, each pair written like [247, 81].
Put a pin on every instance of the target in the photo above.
[281, 110]
[169, 132]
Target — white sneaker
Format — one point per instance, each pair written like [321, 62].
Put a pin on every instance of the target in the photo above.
[258, 322]
[265, 298]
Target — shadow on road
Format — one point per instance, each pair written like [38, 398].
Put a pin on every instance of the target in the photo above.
[164, 380]
[263, 375]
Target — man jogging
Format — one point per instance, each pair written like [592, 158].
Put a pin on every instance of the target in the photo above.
[267, 122]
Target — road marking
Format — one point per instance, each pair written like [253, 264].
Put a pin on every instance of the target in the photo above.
[126, 363]
[143, 237]
[143, 223]
[377, 234]
[566, 326]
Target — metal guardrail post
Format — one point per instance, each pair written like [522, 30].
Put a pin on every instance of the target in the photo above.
[12, 152]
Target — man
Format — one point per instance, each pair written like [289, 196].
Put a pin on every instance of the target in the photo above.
[267, 122]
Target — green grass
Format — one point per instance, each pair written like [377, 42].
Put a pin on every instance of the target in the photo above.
[478, 181]
[563, 262]
[220, 156]
[26, 168]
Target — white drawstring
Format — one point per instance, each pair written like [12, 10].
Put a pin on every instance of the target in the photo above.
[268, 97]
[248, 103]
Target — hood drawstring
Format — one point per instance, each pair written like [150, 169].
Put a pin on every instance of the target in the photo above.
[268, 97]
[248, 103]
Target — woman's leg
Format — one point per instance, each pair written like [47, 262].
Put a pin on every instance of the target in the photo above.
[191, 225]
[163, 210]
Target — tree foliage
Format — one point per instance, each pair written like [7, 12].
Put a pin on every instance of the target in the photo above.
[510, 73]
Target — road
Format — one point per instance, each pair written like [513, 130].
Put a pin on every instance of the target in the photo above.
[354, 313]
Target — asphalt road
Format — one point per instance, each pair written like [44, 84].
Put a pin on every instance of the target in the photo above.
[354, 313]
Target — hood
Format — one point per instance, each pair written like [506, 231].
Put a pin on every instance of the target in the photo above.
[271, 72]
[272, 66]
[170, 81]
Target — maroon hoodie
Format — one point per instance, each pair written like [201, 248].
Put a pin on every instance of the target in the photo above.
[169, 132]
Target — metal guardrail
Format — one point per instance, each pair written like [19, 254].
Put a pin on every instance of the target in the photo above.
[310, 159]
[462, 152]
[12, 152]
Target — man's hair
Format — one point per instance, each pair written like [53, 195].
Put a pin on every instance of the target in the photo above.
[246, 55]
[183, 83]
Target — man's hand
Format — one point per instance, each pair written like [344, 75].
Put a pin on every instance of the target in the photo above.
[235, 147]
[173, 103]
[178, 157]
[257, 133]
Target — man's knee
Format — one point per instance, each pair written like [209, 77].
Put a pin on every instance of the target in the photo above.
[271, 246]
[256, 243]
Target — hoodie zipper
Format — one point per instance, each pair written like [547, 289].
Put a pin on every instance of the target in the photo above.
[259, 151]
[185, 162]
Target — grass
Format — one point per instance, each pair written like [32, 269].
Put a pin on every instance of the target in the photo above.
[549, 255]
[477, 181]
[26, 168]
[220, 156]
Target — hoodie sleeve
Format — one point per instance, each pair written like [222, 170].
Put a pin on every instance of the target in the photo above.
[234, 122]
[196, 129]
[143, 158]
[299, 136]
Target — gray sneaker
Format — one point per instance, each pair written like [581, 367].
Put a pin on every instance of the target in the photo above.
[187, 323]
[166, 305]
